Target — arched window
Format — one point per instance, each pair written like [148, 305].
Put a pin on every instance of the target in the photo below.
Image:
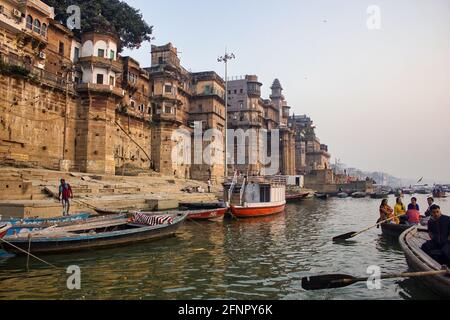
[44, 30]
[29, 22]
[37, 26]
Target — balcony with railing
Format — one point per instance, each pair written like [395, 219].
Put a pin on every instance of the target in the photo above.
[101, 62]
[100, 88]
[22, 68]
[11, 20]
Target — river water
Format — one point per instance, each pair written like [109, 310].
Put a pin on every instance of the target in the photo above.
[248, 259]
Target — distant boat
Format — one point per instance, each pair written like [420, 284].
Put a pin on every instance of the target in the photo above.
[90, 236]
[359, 195]
[379, 195]
[439, 193]
[342, 195]
[296, 196]
[322, 196]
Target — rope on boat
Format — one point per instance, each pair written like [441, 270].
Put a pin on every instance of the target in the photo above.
[28, 253]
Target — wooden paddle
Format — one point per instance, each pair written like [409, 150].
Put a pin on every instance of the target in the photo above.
[332, 281]
[353, 234]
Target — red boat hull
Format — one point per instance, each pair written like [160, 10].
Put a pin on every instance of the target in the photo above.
[211, 214]
[2, 234]
[253, 212]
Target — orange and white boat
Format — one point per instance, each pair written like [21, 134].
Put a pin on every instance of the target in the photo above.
[256, 196]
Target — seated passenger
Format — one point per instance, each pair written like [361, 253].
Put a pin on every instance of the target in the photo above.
[439, 230]
[386, 212]
[413, 215]
[399, 210]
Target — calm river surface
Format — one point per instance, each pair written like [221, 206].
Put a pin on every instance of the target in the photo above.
[248, 259]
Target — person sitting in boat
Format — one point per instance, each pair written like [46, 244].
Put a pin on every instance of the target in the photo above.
[430, 201]
[439, 230]
[386, 212]
[413, 215]
[414, 203]
[399, 210]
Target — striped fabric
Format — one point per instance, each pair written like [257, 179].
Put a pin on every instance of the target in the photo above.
[151, 220]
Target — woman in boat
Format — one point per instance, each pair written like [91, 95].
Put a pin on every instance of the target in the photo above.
[399, 210]
[386, 211]
[413, 215]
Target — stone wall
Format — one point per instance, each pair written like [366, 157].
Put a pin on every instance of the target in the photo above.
[32, 123]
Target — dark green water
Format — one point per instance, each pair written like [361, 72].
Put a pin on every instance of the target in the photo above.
[248, 259]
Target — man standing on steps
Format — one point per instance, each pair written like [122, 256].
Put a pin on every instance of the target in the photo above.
[65, 193]
[209, 185]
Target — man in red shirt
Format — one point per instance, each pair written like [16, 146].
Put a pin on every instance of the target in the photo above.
[65, 193]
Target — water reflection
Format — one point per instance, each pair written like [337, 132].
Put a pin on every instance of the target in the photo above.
[246, 259]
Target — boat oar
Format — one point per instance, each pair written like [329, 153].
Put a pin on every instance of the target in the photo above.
[333, 281]
[353, 234]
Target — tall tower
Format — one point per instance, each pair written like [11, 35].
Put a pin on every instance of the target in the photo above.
[277, 98]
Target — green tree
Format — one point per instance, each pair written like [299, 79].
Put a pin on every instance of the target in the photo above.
[107, 15]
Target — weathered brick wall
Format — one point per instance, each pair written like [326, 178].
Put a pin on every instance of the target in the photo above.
[32, 123]
[128, 145]
[32, 129]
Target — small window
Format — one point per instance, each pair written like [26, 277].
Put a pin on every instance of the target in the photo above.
[242, 90]
[99, 78]
[200, 108]
[29, 22]
[101, 53]
[44, 30]
[76, 54]
[112, 55]
[61, 48]
[160, 60]
[111, 80]
[167, 110]
[37, 26]
[168, 89]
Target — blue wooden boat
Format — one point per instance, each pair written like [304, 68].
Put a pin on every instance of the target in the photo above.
[33, 224]
[91, 236]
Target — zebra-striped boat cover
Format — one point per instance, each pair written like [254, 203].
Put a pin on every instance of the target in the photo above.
[151, 220]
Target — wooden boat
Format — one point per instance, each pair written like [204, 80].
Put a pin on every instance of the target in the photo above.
[379, 195]
[4, 227]
[439, 194]
[27, 225]
[207, 214]
[411, 242]
[342, 195]
[359, 195]
[200, 215]
[256, 196]
[322, 196]
[202, 205]
[296, 196]
[393, 230]
[99, 235]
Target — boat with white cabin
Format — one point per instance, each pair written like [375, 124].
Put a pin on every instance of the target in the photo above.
[256, 196]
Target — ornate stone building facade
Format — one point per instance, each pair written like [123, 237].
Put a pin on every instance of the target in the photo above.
[71, 102]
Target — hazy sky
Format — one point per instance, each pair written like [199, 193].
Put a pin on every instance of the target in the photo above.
[380, 98]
